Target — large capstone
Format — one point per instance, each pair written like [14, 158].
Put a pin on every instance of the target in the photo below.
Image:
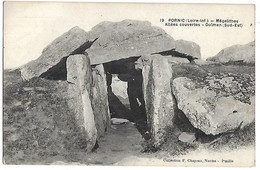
[130, 38]
[125, 39]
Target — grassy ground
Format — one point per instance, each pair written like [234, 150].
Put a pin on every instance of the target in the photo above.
[39, 128]
[38, 125]
[235, 140]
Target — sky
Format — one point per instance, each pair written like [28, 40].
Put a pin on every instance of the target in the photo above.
[30, 26]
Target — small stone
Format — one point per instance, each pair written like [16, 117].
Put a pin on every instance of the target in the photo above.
[187, 137]
[41, 89]
[18, 103]
[28, 88]
[118, 121]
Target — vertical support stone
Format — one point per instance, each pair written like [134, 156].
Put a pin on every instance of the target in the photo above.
[159, 101]
[145, 74]
[99, 99]
[79, 76]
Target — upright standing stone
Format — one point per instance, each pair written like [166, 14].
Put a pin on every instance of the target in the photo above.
[99, 99]
[79, 75]
[145, 74]
[160, 104]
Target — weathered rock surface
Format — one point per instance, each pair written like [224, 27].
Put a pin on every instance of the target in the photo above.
[125, 39]
[159, 101]
[99, 99]
[236, 53]
[130, 38]
[79, 71]
[214, 105]
[74, 41]
[79, 75]
[188, 47]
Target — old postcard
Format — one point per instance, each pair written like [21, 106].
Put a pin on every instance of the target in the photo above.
[129, 84]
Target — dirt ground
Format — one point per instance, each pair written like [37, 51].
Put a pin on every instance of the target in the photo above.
[120, 142]
[122, 147]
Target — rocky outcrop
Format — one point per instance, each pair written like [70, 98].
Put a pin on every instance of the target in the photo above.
[159, 101]
[74, 41]
[79, 76]
[213, 104]
[99, 100]
[236, 53]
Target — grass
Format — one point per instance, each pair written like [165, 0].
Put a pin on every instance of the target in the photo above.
[239, 138]
[230, 68]
[38, 125]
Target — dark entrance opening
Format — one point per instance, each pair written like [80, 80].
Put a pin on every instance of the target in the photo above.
[125, 94]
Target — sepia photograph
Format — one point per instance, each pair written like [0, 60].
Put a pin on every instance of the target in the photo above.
[128, 84]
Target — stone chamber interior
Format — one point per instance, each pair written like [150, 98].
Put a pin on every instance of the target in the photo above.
[125, 94]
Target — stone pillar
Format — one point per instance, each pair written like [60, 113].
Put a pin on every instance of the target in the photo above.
[99, 99]
[160, 104]
[79, 76]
